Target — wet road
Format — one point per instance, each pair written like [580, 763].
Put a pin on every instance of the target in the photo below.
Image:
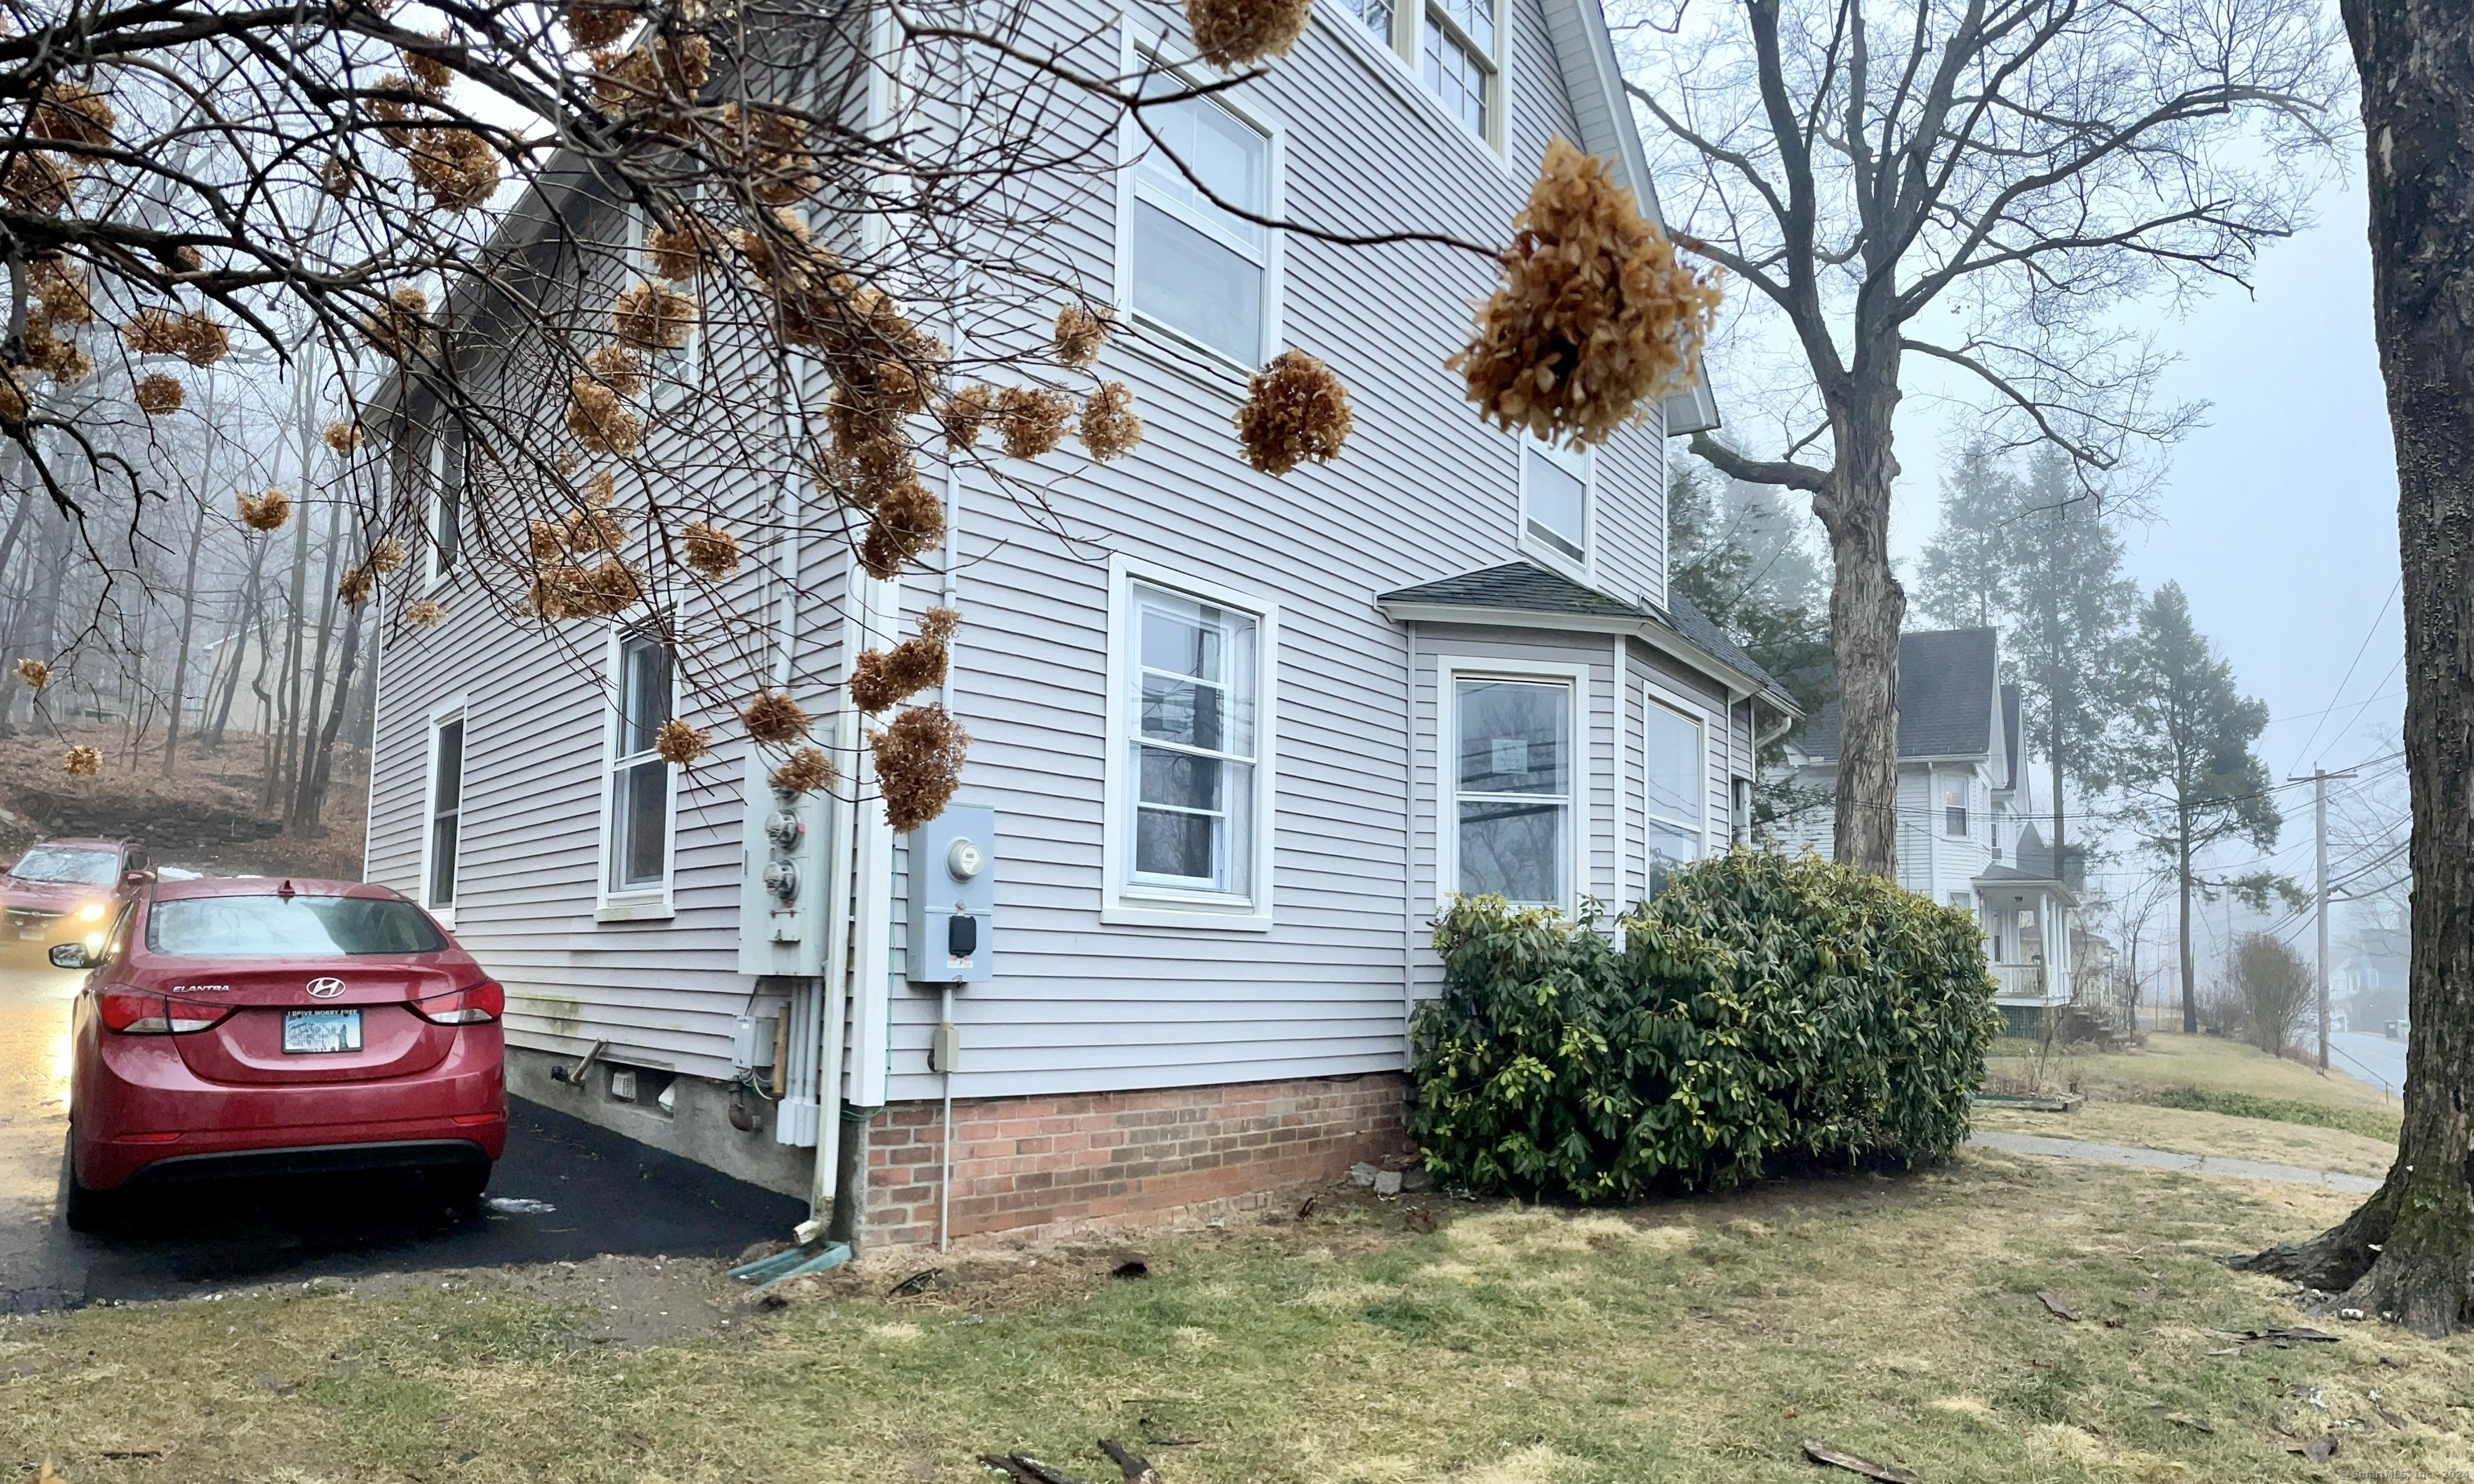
[564, 1191]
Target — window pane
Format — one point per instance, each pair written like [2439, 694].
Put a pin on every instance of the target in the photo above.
[1175, 844]
[447, 474]
[1515, 851]
[1455, 76]
[1180, 711]
[1215, 709]
[1182, 643]
[643, 824]
[1223, 150]
[1181, 779]
[1670, 846]
[442, 860]
[1514, 736]
[308, 927]
[1675, 766]
[1376, 16]
[1558, 505]
[1475, 16]
[450, 767]
[645, 694]
[1196, 285]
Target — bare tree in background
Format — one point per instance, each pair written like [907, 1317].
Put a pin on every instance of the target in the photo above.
[1985, 184]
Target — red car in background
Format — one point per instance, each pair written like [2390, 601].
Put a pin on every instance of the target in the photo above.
[64, 890]
[251, 1026]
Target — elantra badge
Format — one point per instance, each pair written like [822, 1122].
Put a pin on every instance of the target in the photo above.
[326, 989]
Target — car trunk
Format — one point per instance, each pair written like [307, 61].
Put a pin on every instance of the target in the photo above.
[374, 1006]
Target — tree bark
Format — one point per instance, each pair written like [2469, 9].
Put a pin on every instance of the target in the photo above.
[1866, 607]
[188, 630]
[2417, 60]
[320, 764]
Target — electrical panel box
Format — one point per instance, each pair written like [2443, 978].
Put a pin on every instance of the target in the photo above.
[785, 868]
[952, 897]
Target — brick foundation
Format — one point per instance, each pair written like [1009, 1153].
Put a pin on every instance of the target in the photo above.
[1049, 1165]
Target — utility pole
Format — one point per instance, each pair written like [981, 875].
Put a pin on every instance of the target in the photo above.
[2319, 777]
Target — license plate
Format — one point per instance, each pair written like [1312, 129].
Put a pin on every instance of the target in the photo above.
[31, 935]
[319, 1031]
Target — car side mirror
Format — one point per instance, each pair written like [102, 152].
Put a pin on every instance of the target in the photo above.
[71, 956]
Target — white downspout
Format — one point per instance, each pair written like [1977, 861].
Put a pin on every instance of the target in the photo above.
[949, 594]
[1409, 852]
[872, 931]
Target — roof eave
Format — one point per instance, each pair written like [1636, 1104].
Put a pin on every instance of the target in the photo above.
[1739, 685]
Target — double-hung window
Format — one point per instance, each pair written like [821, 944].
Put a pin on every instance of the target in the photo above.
[1556, 497]
[1953, 810]
[1456, 49]
[1678, 798]
[445, 518]
[1513, 783]
[442, 844]
[640, 781]
[1195, 268]
[1190, 766]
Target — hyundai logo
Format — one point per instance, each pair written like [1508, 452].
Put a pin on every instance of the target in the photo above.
[326, 989]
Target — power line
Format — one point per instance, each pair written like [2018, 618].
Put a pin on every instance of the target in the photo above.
[2367, 636]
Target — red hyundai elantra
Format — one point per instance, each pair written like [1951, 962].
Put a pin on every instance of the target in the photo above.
[295, 1026]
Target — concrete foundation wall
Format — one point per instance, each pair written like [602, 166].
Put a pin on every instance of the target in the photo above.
[1042, 1166]
[695, 1127]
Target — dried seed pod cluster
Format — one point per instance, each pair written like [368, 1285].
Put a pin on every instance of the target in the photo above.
[963, 414]
[1296, 410]
[386, 556]
[598, 420]
[81, 763]
[1109, 429]
[709, 551]
[195, 338]
[674, 252]
[426, 613]
[617, 367]
[679, 743]
[1031, 419]
[909, 520]
[34, 673]
[774, 719]
[457, 167]
[343, 437]
[158, 395]
[265, 511]
[651, 317]
[357, 585]
[563, 589]
[1596, 317]
[884, 678]
[1079, 333]
[399, 331]
[918, 765]
[1238, 33]
[596, 28]
[806, 770]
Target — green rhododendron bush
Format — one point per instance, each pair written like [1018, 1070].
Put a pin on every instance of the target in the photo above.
[1760, 1007]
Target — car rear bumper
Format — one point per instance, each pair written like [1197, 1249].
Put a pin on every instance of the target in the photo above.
[320, 1159]
[138, 1107]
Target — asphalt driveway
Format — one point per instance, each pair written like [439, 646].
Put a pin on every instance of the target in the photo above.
[564, 1191]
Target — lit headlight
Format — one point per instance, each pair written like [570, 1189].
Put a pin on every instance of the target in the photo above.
[95, 942]
[91, 911]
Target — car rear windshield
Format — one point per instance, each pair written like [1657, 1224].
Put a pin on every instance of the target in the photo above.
[288, 927]
[69, 867]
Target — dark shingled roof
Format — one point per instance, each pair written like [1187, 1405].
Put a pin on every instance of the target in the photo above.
[2032, 862]
[1946, 688]
[1529, 588]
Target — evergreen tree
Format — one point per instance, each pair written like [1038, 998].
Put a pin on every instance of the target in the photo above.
[1964, 580]
[2185, 756]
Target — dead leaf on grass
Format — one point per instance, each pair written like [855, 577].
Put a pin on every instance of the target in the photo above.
[2318, 1450]
[1886, 1474]
[2059, 1307]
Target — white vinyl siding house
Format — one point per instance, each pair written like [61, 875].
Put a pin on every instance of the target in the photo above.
[1242, 734]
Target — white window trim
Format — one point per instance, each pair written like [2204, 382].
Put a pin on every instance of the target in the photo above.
[454, 709]
[434, 572]
[1582, 463]
[1123, 901]
[1653, 696]
[1399, 72]
[1451, 668]
[1966, 785]
[665, 387]
[1165, 344]
[635, 904]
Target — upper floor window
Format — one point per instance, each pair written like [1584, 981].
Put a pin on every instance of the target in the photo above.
[1376, 16]
[1954, 812]
[443, 845]
[1555, 502]
[1512, 789]
[640, 781]
[1677, 796]
[444, 522]
[1198, 267]
[1190, 776]
[671, 372]
[1456, 49]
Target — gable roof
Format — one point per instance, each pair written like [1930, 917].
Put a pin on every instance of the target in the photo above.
[1947, 680]
[1527, 588]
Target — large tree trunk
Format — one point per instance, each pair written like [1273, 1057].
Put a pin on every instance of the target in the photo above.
[2409, 1250]
[1866, 607]
[188, 630]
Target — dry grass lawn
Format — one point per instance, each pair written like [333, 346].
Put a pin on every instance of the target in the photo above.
[2146, 1126]
[1897, 1318]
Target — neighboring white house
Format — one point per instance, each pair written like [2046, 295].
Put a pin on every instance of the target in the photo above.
[1965, 805]
[1448, 662]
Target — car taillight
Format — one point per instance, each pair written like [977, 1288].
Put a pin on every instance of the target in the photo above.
[131, 1013]
[484, 1001]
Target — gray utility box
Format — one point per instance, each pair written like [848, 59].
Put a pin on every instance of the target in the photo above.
[952, 897]
[782, 885]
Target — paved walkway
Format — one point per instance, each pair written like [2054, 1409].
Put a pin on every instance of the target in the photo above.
[2165, 1160]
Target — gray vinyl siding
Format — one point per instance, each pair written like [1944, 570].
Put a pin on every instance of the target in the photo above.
[1422, 491]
